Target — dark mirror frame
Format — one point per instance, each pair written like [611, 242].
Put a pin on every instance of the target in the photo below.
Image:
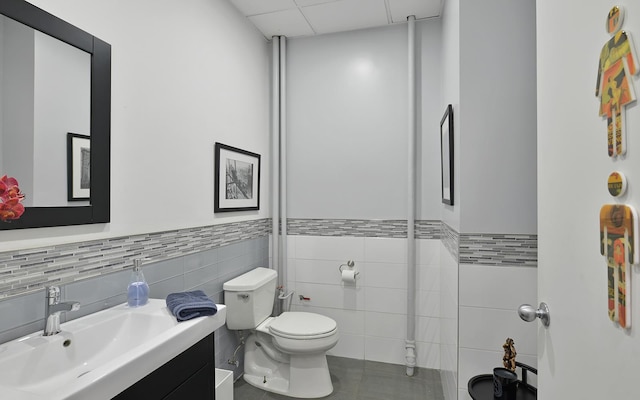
[99, 209]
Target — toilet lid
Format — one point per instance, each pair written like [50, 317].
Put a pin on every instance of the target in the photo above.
[302, 324]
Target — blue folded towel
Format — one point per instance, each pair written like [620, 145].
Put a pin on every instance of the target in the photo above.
[188, 305]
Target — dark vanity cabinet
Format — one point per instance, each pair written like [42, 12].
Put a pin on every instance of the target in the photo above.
[189, 375]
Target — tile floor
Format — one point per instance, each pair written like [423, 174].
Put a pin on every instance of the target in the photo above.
[364, 380]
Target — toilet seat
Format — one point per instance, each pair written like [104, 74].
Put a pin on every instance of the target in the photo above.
[302, 326]
[300, 334]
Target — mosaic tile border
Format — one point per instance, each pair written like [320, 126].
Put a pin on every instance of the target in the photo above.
[499, 249]
[347, 227]
[484, 249]
[428, 229]
[451, 240]
[362, 228]
[25, 271]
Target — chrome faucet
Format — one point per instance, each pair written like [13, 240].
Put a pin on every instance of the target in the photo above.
[53, 308]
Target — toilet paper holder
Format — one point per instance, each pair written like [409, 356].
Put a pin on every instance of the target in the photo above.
[350, 264]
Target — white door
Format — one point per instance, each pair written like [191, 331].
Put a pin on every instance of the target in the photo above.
[582, 355]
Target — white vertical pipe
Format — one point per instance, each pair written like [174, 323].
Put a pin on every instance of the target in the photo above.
[410, 342]
[283, 158]
[275, 155]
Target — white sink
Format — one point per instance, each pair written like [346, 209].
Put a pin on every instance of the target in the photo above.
[99, 355]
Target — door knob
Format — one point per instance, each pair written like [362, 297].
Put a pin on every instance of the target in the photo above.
[528, 313]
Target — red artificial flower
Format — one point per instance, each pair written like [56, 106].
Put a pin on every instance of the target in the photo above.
[11, 209]
[10, 198]
[9, 189]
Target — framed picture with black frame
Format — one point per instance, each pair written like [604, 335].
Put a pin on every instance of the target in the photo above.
[236, 179]
[446, 155]
[78, 167]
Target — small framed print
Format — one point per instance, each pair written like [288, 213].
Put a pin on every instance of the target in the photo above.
[78, 167]
[446, 151]
[236, 179]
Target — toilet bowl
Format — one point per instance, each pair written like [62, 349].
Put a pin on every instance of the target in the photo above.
[284, 354]
[301, 332]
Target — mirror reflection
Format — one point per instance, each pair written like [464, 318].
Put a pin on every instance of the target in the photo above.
[45, 95]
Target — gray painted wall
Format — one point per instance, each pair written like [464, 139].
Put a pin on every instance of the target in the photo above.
[498, 117]
[17, 104]
[451, 95]
[61, 103]
[347, 123]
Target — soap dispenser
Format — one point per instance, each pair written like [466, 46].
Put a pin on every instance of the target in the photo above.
[138, 289]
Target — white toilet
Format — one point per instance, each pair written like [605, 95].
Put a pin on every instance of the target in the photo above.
[284, 354]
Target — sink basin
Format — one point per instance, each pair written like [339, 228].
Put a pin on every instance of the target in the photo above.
[99, 355]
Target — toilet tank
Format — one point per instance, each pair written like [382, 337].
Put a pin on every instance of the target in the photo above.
[249, 298]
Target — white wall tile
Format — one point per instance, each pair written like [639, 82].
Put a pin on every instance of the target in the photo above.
[487, 329]
[291, 269]
[448, 315]
[428, 355]
[386, 300]
[372, 315]
[448, 318]
[446, 259]
[428, 329]
[476, 362]
[497, 287]
[384, 275]
[428, 252]
[291, 246]
[385, 325]
[384, 350]
[449, 357]
[270, 250]
[349, 321]
[428, 277]
[449, 331]
[449, 385]
[332, 296]
[428, 304]
[330, 248]
[448, 303]
[317, 271]
[350, 346]
[385, 250]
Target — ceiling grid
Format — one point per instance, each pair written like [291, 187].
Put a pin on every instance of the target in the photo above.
[294, 18]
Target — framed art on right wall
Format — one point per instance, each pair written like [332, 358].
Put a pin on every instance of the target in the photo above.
[446, 155]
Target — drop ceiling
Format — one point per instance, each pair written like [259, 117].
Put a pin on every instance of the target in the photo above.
[292, 18]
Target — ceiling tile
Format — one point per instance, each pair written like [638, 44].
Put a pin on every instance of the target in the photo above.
[304, 3]
[401, 9]
[287, 23]
[346, 15]
[254, 7]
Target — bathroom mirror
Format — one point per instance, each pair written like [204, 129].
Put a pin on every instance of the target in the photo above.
[76, 83]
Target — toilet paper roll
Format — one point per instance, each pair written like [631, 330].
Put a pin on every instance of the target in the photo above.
[349, 276]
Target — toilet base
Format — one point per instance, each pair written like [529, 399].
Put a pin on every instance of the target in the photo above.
[305, 377]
